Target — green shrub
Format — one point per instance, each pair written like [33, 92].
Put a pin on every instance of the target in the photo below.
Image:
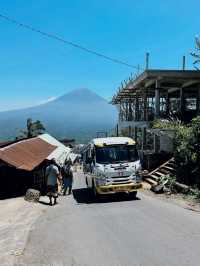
[186, 139]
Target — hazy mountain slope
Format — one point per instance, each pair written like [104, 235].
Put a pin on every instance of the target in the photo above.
[78, 114]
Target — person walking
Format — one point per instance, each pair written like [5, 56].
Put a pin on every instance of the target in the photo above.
[67, 175]
[53, 176]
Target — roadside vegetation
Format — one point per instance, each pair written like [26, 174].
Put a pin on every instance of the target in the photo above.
[33, 129]
[196, 54]
[186, 152]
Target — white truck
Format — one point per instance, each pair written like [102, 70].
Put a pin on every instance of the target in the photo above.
[111, 165]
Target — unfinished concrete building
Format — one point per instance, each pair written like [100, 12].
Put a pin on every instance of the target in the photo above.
[155, 94]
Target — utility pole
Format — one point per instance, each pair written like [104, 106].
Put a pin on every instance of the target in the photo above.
[117, 130]
[147, 61]
[184, 62]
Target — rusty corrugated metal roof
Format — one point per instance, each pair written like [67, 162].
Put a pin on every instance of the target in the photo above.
[6, 143]
[26, 154]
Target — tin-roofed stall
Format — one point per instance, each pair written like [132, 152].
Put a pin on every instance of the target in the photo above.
[22, 165]
[26, 154]
[61, 153]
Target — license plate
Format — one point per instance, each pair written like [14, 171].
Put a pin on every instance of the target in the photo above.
[120, 189]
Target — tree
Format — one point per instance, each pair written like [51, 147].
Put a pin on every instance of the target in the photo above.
[196, 54]
[186, 148]
[33, 129]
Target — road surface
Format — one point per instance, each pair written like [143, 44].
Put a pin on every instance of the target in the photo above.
[113, 232]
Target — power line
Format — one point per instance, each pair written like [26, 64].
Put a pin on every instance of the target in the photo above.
[56, 37]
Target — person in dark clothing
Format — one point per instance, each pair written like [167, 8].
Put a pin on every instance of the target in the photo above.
[67, 175]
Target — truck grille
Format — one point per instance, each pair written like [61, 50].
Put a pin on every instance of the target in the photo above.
[120, 180]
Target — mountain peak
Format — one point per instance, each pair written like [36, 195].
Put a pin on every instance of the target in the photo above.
[78, 114]
[81, 95]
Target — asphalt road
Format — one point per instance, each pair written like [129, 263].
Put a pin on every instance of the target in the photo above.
[113, 232]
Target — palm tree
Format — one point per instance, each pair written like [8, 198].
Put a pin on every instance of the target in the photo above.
[196, 54]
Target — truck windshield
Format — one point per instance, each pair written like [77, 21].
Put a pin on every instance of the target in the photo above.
[116, 154]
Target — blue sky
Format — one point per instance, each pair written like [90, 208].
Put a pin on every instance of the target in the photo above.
[34, 69]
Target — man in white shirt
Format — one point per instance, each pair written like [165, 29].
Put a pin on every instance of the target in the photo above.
[52, 175]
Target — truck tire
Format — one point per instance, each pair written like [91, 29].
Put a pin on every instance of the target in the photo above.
[94, 192]
[132, 195]
[86, 181]
[94, 189]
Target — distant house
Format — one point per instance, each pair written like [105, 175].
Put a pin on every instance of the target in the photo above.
[68, 142]
[23, 163]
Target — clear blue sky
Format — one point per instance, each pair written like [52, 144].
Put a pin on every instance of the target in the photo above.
[34, 69]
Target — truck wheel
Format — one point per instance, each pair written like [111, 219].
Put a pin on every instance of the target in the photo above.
[86, 181]
[132, 195]
[94, 191]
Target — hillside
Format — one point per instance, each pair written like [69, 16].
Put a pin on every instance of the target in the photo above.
[78, 114]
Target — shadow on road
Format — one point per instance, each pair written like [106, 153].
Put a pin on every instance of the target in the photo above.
[44, 202]
[84, 195]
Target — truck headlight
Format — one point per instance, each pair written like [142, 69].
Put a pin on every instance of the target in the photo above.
[101, 181]
[133, 177]
[136, 178]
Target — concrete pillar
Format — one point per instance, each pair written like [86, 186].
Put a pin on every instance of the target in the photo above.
[157, 99]
[145, 107]
[130, 113]
[136, 108]
[135, 134]
[167, 103]
[156, 143]
[157, 103]
[129, 131]
[144, 138]
[127, 110]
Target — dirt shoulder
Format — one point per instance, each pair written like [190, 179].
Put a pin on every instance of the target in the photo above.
[17, 219]
[184, 201]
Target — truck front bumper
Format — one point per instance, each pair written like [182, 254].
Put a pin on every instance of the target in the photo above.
[110, 189]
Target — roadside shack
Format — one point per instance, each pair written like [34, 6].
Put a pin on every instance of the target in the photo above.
[23, 164]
